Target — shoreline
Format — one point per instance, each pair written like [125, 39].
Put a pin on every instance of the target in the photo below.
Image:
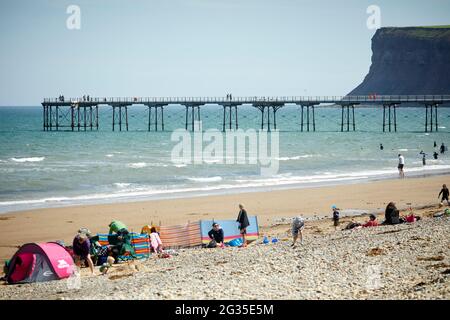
[62, 223]
[28, 205]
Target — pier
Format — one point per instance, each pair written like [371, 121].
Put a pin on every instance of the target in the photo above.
[81, 114]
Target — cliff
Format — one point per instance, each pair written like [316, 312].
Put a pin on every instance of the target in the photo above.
[412, 60]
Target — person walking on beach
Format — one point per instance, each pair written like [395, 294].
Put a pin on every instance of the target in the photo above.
[242, 219]
[336, 217]
[298, 224]
[81, 250]
[445, 194]
[401, 165]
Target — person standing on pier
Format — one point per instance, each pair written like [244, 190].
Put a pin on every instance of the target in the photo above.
[401, 165]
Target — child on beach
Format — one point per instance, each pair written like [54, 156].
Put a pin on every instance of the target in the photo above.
[335, 216]
[372, 222]
[155, 241]
[445, 194]
[298, 224]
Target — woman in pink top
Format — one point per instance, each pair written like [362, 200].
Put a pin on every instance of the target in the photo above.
[155, 241]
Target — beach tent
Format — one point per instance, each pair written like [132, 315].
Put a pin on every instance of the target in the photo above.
[39, 262]
[230, 229]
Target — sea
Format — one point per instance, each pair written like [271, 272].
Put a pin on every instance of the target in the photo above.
[40, 169]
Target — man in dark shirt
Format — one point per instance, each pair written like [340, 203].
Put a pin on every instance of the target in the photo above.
[216, 235]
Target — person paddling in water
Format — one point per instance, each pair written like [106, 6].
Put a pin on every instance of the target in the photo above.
[401, 165]
[243, 223]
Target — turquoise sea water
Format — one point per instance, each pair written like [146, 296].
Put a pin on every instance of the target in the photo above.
[44, 169]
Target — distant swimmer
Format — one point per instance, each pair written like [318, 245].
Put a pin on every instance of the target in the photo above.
[442, 148]
[424, 160]
[435, 155]
[435, 144]
[381, 146]
[401, 165]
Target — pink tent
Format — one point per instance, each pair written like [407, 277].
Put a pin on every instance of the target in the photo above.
[38, 262]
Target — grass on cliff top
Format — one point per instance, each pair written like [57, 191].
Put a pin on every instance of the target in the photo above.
[420, 32]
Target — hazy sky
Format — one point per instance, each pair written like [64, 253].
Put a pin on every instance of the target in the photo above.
[193, 47]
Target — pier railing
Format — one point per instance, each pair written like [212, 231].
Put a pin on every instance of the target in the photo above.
[256, 99]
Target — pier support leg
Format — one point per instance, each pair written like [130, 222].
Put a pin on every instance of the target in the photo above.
[224, 118]
[302, 119]
[435, 117]
[426, 118]
[384, 118]
[72, 117]
[342, 118]
[353, 118]
[314, 119]
[96, 117]
[78, 118]
[389, 118]
[395, 118]
[307, 118]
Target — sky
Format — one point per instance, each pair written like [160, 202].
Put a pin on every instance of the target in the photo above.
[193, 47]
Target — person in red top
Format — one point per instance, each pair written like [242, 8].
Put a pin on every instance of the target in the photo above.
[372, 222]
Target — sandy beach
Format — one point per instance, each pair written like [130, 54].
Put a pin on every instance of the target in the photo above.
[62, 223]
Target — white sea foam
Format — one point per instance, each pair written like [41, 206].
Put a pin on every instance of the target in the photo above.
[137, 165]
[109, 155]
[122, 185]
[31, 159]
[295, 158]
[209, 179]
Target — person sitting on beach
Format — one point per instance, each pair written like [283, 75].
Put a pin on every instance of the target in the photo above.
[155, 241]
[410, 218]
[372, 222]
[117, 227]
[391, 214]
[336, 215]
[298, 224]
[216, 235]
[81, 250]
[445, 194]
[243, 223]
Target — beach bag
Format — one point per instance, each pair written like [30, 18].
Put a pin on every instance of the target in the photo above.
[235, 242]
